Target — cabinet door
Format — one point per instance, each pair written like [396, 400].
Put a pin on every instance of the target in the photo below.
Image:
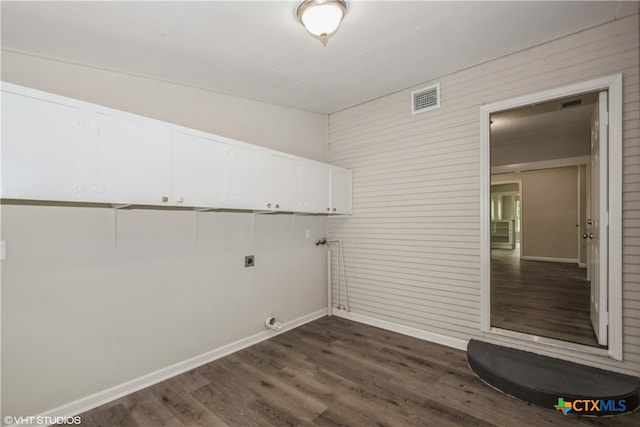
[248, 179]
[49, 150]
[340, 190]
[287, 184]
[315, 188]
[135, 161]
[197, 171]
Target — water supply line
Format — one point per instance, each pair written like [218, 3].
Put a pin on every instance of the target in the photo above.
[272, 323]
[338, 244]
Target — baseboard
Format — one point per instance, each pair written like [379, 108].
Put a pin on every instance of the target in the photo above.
[460, 344]
[86, 403]
[549, 259]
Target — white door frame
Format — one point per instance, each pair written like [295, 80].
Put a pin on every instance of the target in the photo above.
[613, 84]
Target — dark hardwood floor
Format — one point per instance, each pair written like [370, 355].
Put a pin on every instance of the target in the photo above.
[333, 372]
[548, 299]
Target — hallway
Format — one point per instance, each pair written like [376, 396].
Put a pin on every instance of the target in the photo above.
[547, 299]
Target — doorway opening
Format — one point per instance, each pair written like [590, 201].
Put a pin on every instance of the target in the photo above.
[549, 236]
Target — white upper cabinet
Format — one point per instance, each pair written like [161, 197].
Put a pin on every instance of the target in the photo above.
[300, 185]
[287, 184]
[61, 149]
[315, 188]
[198, 171]
[134, 161]
[340, 190]
[49, 150]
[248, 179]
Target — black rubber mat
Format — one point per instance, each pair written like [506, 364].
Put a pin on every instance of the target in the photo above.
[553, 383]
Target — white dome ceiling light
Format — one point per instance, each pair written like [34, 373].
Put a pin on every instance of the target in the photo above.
[321, 18]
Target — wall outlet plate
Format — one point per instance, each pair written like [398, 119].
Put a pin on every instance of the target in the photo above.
[248, 261]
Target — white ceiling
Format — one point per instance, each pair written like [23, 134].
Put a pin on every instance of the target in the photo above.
[258, 50]
[545, 121]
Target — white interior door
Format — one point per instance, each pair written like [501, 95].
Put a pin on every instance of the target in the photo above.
[597, 224]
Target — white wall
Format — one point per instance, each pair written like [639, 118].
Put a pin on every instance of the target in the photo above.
[549, 212]
[280, 128]
[80, 316]
[531, 148]
[412, 246]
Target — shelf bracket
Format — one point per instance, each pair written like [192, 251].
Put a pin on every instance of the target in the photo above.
[115, 227]
[293, 225]
[195, 226]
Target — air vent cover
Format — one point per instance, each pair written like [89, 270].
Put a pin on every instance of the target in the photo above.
[572, 104]
[425, 99]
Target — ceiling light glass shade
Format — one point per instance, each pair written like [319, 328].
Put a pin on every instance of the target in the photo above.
[321, 18]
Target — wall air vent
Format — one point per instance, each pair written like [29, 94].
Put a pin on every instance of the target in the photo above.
[572, 104]
[425, 99]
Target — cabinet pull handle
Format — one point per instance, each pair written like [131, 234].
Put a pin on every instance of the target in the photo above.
[277, 206]
[165, 199]
[180, 200]
[334, 209]
[268, 205]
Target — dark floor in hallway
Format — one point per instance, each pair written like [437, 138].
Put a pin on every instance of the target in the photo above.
[547, 299]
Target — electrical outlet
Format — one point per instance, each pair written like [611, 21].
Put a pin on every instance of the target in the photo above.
[248, 261]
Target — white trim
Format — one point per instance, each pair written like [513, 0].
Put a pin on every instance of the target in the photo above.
[550, 342]
[89, 402]
[504, 193]
[613, 84]
[543, 164]
[457, 343]
[615, 216]
[485, 220]
[549, 259]
[579, 224]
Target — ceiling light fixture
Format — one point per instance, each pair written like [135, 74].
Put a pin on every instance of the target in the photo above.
[321, 18]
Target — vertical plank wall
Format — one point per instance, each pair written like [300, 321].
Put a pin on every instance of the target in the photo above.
[412, 245]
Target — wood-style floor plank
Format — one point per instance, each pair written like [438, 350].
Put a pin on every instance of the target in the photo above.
[187, 409]
[547, 299]
[148, 410]
[333, 372]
